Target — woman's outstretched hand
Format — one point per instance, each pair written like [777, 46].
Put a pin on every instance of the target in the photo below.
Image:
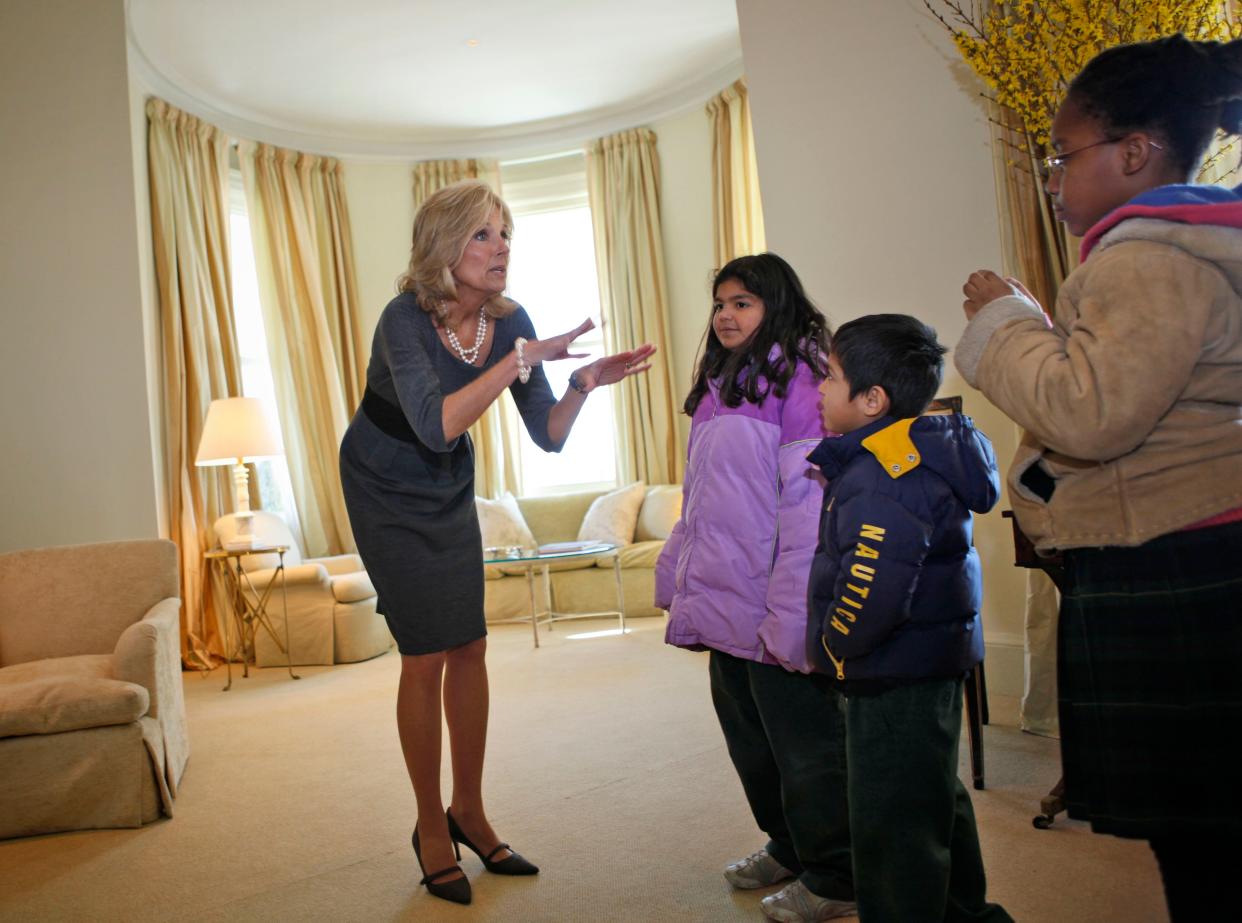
[611, 369]
[553, 348]
[984, 286]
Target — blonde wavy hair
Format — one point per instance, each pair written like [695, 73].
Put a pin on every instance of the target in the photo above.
[442, 228]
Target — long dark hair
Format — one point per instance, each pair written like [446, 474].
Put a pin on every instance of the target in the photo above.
[1179, 89]
[790, 321]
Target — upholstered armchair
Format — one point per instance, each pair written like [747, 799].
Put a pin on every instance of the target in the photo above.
[92, 717]
[332, 617]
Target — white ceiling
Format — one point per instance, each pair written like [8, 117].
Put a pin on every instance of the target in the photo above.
[433, 78]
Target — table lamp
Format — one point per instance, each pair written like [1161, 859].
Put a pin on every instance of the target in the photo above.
[237, 431]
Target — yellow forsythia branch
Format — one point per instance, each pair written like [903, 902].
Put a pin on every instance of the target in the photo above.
[1027, 51]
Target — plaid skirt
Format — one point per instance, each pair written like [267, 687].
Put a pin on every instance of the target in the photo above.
[1150, 684]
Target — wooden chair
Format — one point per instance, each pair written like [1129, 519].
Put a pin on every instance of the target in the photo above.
[976, 717]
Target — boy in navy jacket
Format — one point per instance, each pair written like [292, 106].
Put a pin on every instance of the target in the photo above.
[894, 599]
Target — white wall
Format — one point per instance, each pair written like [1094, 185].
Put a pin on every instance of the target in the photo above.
[381, 214]
[684, 144]
[876, 173]
[76, 464]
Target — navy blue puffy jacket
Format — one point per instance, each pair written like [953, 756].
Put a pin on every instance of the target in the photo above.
[896, 585]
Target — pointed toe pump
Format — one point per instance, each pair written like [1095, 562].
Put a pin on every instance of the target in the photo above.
[511, 865]
[456, 890]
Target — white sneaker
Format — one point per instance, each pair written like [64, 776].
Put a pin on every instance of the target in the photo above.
[756, 871]
[795, 904]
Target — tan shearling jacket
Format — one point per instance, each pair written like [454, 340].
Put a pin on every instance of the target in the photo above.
[1131, 401]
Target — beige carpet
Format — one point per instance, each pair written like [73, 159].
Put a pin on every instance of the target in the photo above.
[605, 766]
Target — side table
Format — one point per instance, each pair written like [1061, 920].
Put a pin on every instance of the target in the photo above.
[247, 606]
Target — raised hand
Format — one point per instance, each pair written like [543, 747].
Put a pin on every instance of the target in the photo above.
[984, 286]
[553, 348]
[611, 369]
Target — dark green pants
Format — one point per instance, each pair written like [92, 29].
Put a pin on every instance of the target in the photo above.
[786, 737]
[916, 849]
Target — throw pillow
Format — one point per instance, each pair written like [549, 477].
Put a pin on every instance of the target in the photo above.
[660, 511]
[612, 517]
[502, 523]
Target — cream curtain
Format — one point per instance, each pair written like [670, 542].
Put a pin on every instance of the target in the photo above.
[623, 182]
[335, 237]
[1037, 250]
[737, 212]
[188, 164]
[431, 175]
[304, 259]
[494, 435]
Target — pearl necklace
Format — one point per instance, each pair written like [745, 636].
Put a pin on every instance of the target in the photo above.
[471, 355]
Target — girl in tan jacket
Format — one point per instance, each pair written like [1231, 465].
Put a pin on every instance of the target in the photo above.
[1131, 400]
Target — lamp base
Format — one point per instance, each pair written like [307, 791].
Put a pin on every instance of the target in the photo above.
[244, 538]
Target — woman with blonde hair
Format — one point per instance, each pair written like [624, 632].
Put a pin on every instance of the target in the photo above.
[444, 349]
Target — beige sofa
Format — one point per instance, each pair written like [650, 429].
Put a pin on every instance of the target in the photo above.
[92, 717]
[586, 584]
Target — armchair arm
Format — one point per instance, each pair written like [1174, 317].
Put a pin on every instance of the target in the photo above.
[148, 654]
[338, 563]
[298, 575]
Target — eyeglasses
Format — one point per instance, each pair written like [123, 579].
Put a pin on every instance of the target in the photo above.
[1056, 163]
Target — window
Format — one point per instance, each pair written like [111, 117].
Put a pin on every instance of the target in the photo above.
[552, 275]
[275, 488]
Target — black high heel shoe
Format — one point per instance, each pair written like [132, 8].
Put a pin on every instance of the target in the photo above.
[457, 890]
[512, 865]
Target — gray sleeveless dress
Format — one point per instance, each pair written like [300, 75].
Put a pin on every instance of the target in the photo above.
[410, 492]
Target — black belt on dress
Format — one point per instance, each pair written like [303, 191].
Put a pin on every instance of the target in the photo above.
[388, 417]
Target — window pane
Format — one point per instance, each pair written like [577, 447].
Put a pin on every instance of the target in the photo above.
[552, 275]
[275, 488]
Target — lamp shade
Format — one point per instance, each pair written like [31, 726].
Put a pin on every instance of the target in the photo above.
[237, 428]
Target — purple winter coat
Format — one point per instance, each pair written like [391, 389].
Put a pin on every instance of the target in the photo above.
[734, 571]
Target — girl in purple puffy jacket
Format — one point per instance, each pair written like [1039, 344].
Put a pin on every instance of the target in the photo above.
[733, 576]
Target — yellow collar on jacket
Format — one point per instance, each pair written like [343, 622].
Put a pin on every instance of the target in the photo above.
[893, 448]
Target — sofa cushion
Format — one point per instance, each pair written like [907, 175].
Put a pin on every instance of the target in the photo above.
[502, 524]
[595, 590]
[638, 554]
[557, 517]
[660, 511]
[79, 665]
[612, 517]
[352, 588]
[55, 704]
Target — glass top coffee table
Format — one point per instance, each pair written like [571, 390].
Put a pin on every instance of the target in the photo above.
[542, 558]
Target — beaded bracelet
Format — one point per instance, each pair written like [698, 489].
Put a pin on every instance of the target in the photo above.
[519, 347]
